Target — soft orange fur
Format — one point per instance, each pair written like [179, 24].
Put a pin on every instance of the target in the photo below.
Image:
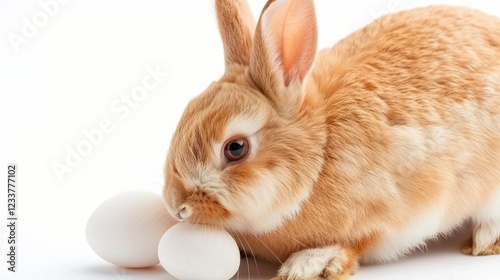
[398, 118]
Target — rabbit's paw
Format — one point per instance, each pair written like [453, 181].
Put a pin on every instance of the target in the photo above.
[485, 238]
[327, 263]
[469, 248]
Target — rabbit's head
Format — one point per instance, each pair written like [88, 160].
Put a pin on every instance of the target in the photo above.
[247, 151]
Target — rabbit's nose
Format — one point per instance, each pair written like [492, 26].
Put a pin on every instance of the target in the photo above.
[183, 213]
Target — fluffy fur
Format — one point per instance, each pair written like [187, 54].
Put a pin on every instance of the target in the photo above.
[361, 152]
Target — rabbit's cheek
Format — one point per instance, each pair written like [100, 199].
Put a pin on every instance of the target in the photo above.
[264, 206]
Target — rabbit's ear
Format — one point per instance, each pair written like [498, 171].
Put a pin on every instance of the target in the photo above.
[236, 26]
[284, 50]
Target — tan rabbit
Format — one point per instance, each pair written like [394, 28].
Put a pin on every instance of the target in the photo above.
[359, 153]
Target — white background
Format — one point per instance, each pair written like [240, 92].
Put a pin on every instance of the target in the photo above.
[66, 77]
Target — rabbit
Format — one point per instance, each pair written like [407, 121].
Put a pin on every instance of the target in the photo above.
[359, 153]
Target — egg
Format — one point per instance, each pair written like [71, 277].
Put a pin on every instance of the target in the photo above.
[198, 252]
[126, 229]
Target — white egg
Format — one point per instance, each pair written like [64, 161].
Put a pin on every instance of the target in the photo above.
[126, 229]
[197, 252]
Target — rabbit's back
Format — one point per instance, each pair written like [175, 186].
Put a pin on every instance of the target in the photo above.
[433, 53]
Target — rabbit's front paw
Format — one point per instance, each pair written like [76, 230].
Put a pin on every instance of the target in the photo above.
[327, 263]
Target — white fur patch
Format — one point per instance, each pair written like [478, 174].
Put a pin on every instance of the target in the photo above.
[492, 82]
[244, 125]
[439, 138]
[398, 243]
[257, 206]
[270, 221]
[203, 177]
[408, 147]
[492, 101]
[491, 210]
[350, 162]
[484, 120]
[487, 224]
[310, 263]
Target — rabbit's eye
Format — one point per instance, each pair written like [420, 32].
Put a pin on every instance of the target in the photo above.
[236, 149]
